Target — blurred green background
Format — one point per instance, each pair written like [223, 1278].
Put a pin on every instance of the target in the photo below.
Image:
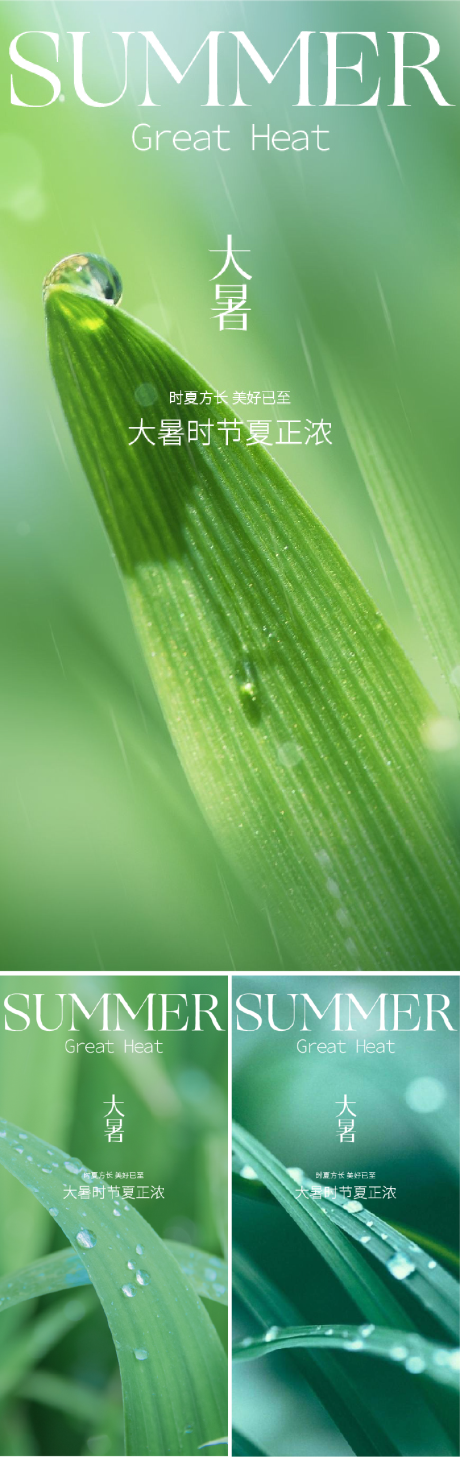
[406, 1132]
[175, 1134]
[355, 248]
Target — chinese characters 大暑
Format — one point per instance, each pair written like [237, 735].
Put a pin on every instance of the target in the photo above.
[231, 306]
[114, 1125]
[346, 1122]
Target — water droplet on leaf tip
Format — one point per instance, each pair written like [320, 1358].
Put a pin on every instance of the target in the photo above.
[86, 1239]
[400, 1267]
[128, 1290]
[141, 1354]
[86, 273]
[143, 1277]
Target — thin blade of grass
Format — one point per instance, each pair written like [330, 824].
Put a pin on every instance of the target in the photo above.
[425, 560]
[296, 715]
[370, 1295]
[427, 1281]
[64, 1270]
[438, 1363]
[158, 1314]
[340, 1393]
[39, 1337]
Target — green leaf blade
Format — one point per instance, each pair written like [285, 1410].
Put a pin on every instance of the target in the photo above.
[418, 1355]
[366, 1289]
[176, 1396]
[294, 711]
[64, 1270]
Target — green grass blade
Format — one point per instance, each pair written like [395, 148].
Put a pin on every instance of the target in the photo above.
[439, 1363]
[206, 1273]
[78, 1401]
[426, 562]
[434, 1287]
[427, 1281]
[340, 1393]
[370, 1295]
[61, 1271]
[176, 1396]
[39, 1337]
[296, 715]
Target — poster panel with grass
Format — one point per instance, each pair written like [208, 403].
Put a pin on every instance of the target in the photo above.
[345, 1215]
[113, 1205]
[230, 510]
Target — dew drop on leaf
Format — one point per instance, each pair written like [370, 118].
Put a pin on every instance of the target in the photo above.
[289, 754]
[247, 680]
[366, 1330]
[353, 1206]
[54, 1213]
[128, 1290]
[72, 1167]
[143, 1277]
[86, 1238]
[272, 1333]
[398, 1353]
[415, 1365]
[141, 1354]
[400, 1267]
[130, 1265]
[139, 1249]
[117, 1213]
[86, 273]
